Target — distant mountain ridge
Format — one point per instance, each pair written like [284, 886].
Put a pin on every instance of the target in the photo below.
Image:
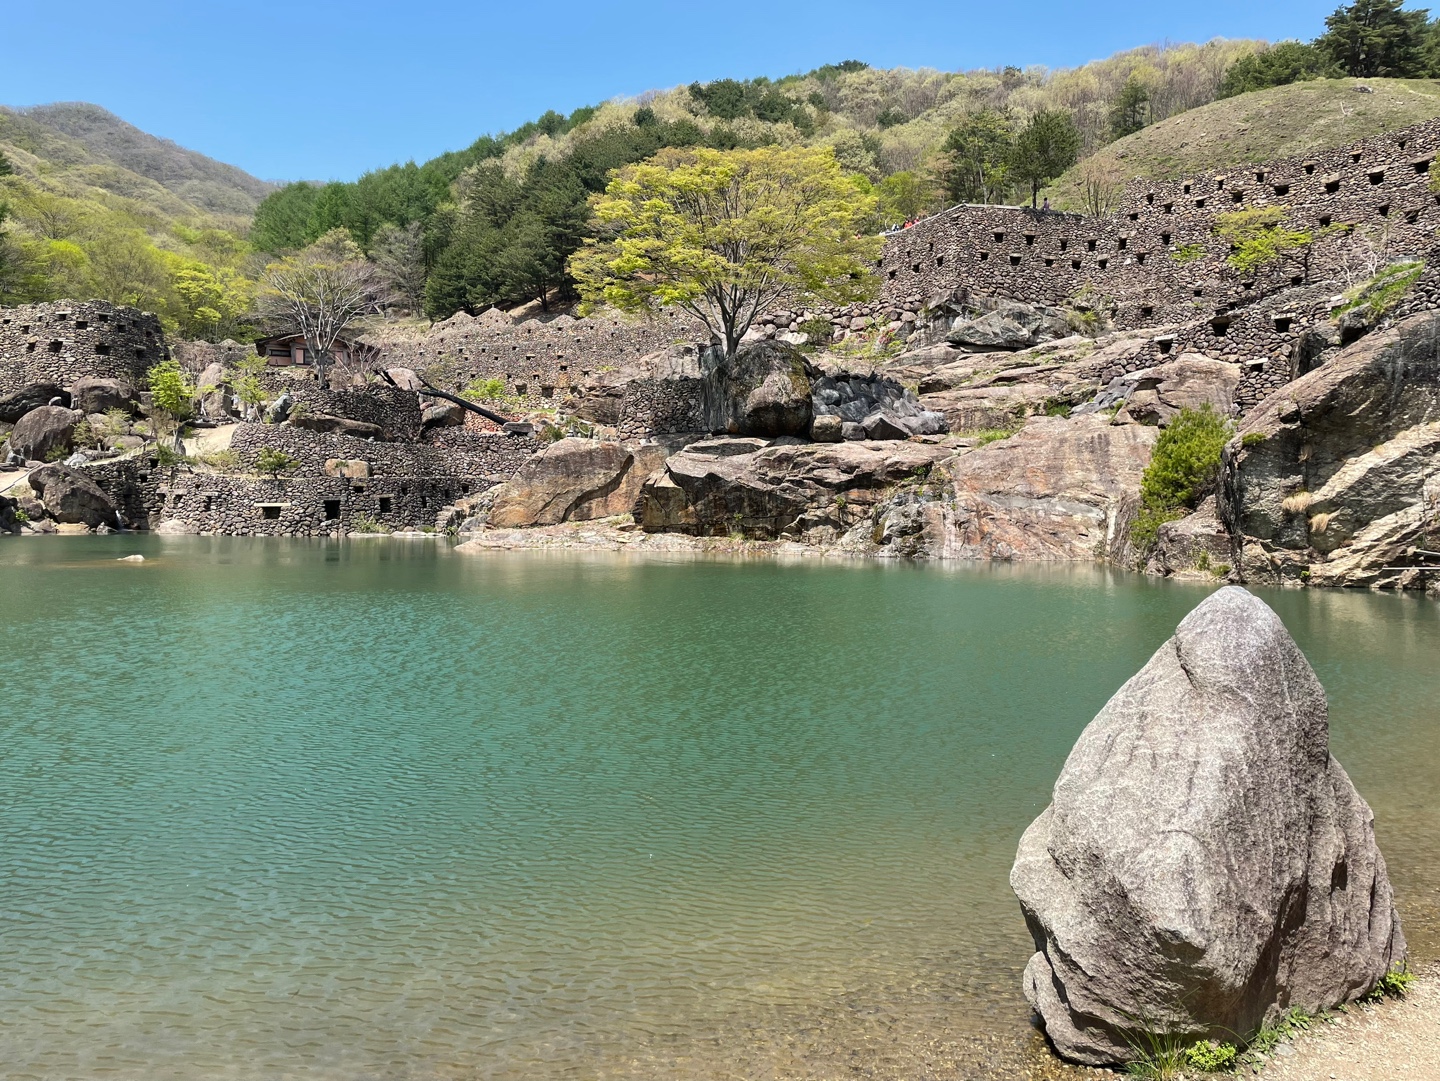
[80, 135]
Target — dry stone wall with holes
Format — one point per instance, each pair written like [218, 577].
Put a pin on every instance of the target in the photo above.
[1157, 257]
[67, 340]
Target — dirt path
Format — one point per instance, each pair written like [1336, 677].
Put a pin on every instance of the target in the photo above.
[1396, 1040]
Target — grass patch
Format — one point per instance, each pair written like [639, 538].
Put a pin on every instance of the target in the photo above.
[983, 436]
[363, 523]
[1379, 294]
[1394, 984]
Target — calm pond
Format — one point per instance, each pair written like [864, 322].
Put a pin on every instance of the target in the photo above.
[381, 810]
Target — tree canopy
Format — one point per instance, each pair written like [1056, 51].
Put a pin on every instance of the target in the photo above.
[725, 234]
[1044, 149]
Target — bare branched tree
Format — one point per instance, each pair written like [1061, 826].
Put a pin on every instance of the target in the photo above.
[1103, 183]
[320, 293]
[399, 253]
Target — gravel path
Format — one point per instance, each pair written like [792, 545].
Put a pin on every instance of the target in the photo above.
[1396, 1040]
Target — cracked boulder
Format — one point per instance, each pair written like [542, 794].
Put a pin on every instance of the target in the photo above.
[1205, 864]
[574, 480]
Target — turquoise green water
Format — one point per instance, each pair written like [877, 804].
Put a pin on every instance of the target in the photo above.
[275, 809]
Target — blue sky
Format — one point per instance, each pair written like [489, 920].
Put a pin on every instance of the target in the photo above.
[295, 89]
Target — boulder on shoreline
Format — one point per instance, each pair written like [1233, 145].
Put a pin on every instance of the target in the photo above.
[1205, 865]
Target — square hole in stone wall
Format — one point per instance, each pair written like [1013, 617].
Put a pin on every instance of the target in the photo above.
[332, 510]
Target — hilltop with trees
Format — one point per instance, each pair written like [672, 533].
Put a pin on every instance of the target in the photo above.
[97, 209]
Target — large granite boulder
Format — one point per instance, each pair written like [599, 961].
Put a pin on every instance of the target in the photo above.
[574, 480]
[1205, 864]
[215, 395]
[70, 496]
[764, 490]
[93, 394]
[763, 390]
[32, 396]
[1056, 490]
[1196, 546]
[42, 433]
[1335, 479]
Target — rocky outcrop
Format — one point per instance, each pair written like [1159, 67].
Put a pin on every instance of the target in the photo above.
[1155, 395]
[764, 490]
[32, 396]
[1196, 546]
[323, 422]
[94, 394]
[72, 497]
[574, 480]
[1057, 490]
[881, 407]
[215, 395]
[1206, 864]
[1336, 478]
[42, 433]
[1010, 326]
[763, 390]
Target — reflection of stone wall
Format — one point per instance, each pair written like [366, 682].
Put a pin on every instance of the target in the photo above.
[64, 341]
[1379, 186]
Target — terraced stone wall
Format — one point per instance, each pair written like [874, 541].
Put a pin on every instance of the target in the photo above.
[1158, 259]
[67, 340]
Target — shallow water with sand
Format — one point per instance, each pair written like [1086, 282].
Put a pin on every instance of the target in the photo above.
[276, 809]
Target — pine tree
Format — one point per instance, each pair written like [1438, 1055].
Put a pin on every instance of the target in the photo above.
[1045, 148]
[1376, 39]
[1131, 110]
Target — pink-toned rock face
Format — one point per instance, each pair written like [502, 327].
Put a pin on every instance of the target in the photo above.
[1059, 489]
[1205, 864]
[574, 480]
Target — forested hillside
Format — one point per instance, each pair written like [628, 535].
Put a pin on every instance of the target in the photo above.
[497, 221]
[92, 207]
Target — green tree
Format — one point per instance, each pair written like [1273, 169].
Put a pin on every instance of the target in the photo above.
[976, 158]
[1131, 110]
[1044, 149]
[1258, 239]
[904, 196]
[724, 235]
[210, 302]
[274, 462]
[399, 255]
[1376, 39]
[6, 169]
[246, 379]
[172, 396]
[1283, 63]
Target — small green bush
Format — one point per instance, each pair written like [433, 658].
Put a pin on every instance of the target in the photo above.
[1377, 295]
[489, 389]
[1252, 439]
[274, 462]
[57, 454]
[1394, 984]
[1212, 1057]
[222, 461]
[819, 331]
[1188, 253]
[1182, 471]
[363, 523]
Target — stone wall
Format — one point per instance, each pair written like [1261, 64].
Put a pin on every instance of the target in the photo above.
[395, 411]
[64, 341]
[538, 359]
[468, 454]
[1157, 258]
